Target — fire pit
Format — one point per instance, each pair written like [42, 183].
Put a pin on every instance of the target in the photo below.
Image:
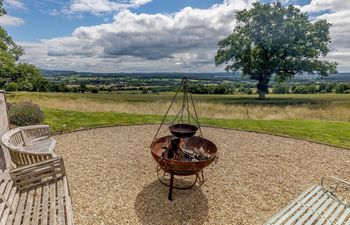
[183, 153]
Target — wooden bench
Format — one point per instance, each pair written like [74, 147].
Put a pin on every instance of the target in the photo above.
[36, 194]
[321, 204]
[29, 144]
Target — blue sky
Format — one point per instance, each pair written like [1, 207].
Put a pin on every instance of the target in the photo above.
[144, 35]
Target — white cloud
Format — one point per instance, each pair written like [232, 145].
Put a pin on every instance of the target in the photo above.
[7, 20]
[183, 41]
[321, 5]
[16, 4]
[339, 16]
[103, 6]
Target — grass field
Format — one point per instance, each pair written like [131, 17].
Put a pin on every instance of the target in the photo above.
[329, 107]
[323, 118]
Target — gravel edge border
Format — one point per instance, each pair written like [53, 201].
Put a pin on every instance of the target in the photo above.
[209, 126]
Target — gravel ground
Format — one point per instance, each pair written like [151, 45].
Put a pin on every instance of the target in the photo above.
[113, 180]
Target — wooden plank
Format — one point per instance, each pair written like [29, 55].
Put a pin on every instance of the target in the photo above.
[7, 190]
[2, 208]
[52, 203]
[14, 205]
[20, 209]
[68, 205]
[44, 170]
[2, 188]
[37, 205]
[60, 195]
[45, 205]
[27, 168]
[5, 216]
[28, 207]
[292, 204]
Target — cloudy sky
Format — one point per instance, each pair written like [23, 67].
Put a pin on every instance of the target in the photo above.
[145, 35]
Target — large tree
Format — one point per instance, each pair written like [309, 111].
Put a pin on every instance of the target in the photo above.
[271, 39]
[12, 71]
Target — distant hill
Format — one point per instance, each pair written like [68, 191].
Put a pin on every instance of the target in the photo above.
[340, 77]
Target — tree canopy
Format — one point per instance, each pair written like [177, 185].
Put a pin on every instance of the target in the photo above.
[14, 74]
[2, 10]
[271, 39]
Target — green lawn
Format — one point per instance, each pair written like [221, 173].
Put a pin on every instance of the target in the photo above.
[327, 132]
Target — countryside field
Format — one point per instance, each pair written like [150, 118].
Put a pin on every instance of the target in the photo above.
[323, 118]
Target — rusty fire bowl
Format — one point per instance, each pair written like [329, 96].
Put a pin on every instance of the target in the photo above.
[183, 130]
[184, 168]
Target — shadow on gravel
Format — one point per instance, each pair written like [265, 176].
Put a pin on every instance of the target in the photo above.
[189, 207]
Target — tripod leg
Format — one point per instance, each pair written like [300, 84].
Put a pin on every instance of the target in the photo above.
[170, 196]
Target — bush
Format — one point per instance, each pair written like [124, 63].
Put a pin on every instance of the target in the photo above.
[25, 114]
[281, 89]
[12, 86]
[311, 89]
[94, 90]
[341, 88]
[300, 90]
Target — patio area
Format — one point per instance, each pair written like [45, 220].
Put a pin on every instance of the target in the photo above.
[113, 180]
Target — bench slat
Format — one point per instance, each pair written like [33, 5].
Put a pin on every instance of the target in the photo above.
[20, 210]
[311, 210]
[60, 195]
[304, 207]
[335, 214]
[300, 205]
[316, 206]
[320, 211]
[288, 208]
[28, 207]
[68, 205]
[37, 205]
[45, 205]
[343, 216]
[53, 200]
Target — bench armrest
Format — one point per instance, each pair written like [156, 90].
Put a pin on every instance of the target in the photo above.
[39, 173]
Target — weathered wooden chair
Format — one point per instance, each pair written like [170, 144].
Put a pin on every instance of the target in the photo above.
[321, 204]
[25, 145]
[36, 194]
[29, 144]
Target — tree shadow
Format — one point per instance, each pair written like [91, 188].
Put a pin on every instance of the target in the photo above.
[189, 206]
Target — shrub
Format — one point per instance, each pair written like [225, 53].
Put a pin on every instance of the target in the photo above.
[281, 89]
[311, 89]
[25, 113]
[94, 90]
[300, 90]
[12, 86]
[341, 88]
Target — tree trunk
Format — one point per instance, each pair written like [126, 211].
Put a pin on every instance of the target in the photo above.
[262, 95]
[263, 86]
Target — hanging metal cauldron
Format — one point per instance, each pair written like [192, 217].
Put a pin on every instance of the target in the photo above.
[182, 153]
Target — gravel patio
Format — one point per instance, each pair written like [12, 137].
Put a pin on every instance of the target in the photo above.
[112, 177]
